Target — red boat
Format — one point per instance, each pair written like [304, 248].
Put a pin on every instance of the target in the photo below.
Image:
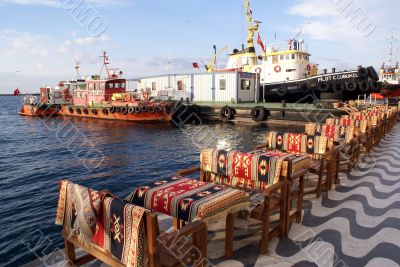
[103, 99]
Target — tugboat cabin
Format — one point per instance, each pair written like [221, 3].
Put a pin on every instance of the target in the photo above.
[283, 62]
[96, 91]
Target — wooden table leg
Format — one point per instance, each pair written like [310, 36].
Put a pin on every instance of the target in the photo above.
[230, 224]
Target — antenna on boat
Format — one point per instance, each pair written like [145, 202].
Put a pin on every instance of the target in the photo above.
[290, 41]
[392, 39]
[105, 64]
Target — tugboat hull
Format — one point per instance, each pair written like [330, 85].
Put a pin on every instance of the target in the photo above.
[105, 114]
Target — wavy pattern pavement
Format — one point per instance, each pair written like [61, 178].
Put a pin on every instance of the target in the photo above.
[356, 224]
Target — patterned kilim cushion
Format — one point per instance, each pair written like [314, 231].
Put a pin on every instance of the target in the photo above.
[312, 145]
[190, 200]
[255, 170]
[332, 131]
[78, 209]
[120, 231]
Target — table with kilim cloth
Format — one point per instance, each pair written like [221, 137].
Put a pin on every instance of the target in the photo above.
[254, 170]
[190, 200]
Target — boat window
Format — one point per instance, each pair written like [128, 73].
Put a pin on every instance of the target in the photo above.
[306, 57]
[275, 60]
[281, 57]
[222, 84]
[290, 70]
[116, 85]
[91, 86]
[123, 85]
[293, 56]
[180, 85]
[287, 57]
[153, 86]
[102, 86]
[245, 85]
[111, 85]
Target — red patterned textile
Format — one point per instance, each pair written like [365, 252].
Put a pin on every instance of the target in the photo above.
[294, 144]
[120, 231]
[241, 166]
[78, 210]
[190, 200]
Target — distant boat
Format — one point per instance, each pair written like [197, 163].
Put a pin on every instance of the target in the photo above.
[17, 92]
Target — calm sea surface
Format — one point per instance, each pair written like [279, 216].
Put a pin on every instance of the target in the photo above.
[36, 153]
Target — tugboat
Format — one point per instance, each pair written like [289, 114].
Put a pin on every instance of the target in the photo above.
[286, 71]
[389, 77]
[107, 98]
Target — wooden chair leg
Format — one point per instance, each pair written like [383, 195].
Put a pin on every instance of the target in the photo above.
[264, 236]
[320, 175]
[69, 253]
[230, 225]
[300, 197]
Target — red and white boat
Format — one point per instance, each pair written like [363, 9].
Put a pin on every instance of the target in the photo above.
[106, 98]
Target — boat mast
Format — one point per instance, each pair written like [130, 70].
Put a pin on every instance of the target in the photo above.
[391, 39]
[105, 64]
[252, 25]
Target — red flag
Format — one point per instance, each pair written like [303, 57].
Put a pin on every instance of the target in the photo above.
[196, 65]
[260, 43]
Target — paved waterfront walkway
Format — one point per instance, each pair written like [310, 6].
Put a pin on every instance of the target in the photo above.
[357, 224]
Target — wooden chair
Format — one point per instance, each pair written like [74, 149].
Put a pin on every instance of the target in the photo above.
[345, 139]
[323, 159]
[187, 246]
[162, 250]
[276, 201]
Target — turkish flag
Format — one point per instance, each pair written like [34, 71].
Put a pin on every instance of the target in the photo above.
[196, 65]
[260, 43]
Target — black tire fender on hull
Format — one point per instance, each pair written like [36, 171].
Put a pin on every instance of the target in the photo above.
[226, 114]
[258, 114]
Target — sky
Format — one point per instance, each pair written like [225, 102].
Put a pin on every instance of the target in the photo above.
[42, 40]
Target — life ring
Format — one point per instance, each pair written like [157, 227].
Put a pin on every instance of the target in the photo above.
[278, 69]
[71, 110]
[131, 110]
[124, 110]
[86, 111]
[258, 70]
[128, 97]
[258, 114]
[226, 114]
[78, 111]
[137, 110]
[113, 110]
[308, 67]
[105, 111]
[151, 109]
[94, 111]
